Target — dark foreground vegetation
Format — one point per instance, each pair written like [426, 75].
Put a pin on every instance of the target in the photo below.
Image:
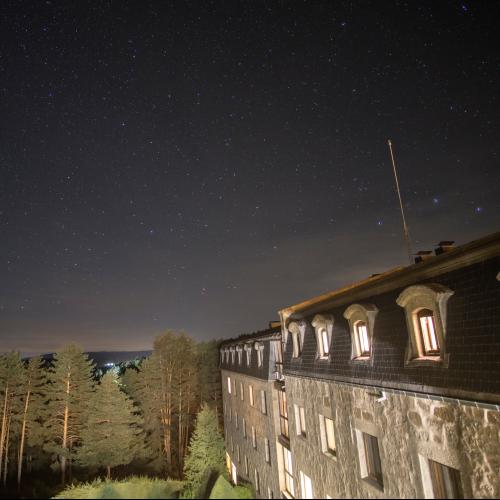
[65, 423]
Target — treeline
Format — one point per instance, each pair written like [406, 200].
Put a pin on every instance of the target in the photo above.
[63, 416]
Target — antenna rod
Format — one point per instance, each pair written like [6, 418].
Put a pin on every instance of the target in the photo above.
[405, 226]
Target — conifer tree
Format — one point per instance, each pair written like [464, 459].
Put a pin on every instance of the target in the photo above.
[206, 451]
[70, 390]
[11, 372]
[113, 435]
[33, 399]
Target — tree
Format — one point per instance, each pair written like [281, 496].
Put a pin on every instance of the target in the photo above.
[209, 375]
[113, 434]
[70, 390]
[206, 451]
[11, 371]
[33, 384]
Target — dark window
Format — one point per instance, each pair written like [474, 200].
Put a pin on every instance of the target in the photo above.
[372, 454]
[445, 481]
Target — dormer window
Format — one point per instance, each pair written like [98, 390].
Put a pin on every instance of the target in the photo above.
[297, 329]
[323, 326]
[239, 351]
[248, 352]
[227, 356]
[426, 310]
[361, 319]
[259, 347]
[231, 350]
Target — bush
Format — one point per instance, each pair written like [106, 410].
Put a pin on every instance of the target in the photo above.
[223, 489]
[134, 487]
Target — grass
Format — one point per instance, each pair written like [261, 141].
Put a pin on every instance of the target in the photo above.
[222, 489]
[133, 487]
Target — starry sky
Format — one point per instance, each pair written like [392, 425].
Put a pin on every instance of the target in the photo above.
[200, 165]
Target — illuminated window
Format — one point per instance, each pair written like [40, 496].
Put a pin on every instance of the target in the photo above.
[361, 319]
[254, 437]
[328, 443]
[300, 420]
[362, 338]
[445, 481]
[323, 326]
[263, 402]
[244, 427]
[250, 395]
[229, 385]
[306, 486]
[288, 472]
[283, 412]
[427, 331]
[242, 392]
[426, 311]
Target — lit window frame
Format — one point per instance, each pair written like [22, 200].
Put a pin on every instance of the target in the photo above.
[323, 327]
[432, 297]
[355, 314]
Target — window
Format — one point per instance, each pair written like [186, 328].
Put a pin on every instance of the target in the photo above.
[263, 402]
[269, 493]
[306, 486]
[244, 427]
[239, 351]
[361, 319]
[362, 338]
[250, 395]
[247, 468]
[254, 437]
[231, 350]
[426, 310]
[300, 420]
[445, 481]
[323, 326]
[427, 331]
[242, 392]
[328, 443]
[236, 420]
[238, 453]
[371, 468]
[226, 352]
[267, 450]
[288, 472]
[259, 347]
[257, 481]
[229, 385]
[297, 329]
[248, 352]
[283, 411]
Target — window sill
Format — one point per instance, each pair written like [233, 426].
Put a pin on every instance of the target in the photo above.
[373, 483]
[428, 361]
[330, 455]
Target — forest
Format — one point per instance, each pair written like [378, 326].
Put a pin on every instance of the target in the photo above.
[64, 422]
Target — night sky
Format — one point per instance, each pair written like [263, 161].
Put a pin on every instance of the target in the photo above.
[200, 165]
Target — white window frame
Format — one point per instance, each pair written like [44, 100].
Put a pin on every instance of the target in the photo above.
[267, 450]
[323, 327]
[354, 314]
[297, 329]
[242, 391]
[251, 396]
[414, 299]
[244, 427]
[259, 347]
[263, 402]
[229, 388]
[300, 420]
[254, 437]
[239, 351]
[248, 352]
[306, 486]
[325, 448]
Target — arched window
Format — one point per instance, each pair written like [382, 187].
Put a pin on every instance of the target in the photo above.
[323, 326]
[361, 319]
[426, 310]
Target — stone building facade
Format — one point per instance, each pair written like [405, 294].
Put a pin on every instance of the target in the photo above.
[391, 386]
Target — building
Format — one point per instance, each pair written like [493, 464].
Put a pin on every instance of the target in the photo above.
[391, 386]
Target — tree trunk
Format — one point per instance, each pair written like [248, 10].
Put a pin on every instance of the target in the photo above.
[6, 459]
[109, 473]
[23, 436]
[4, 423]
[64, 444]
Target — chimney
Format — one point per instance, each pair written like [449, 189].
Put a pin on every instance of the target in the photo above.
[423, 256]
[444, 246]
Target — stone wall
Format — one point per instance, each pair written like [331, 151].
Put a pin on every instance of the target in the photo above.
[410, 431]
[264, 425]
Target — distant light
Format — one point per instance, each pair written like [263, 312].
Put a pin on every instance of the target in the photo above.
[109, 365]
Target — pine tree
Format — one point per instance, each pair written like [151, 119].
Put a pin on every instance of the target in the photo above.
[113, 434]
[70, 390]
[33, 398]
[209, 375]
[11, 372]
[206, 451]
